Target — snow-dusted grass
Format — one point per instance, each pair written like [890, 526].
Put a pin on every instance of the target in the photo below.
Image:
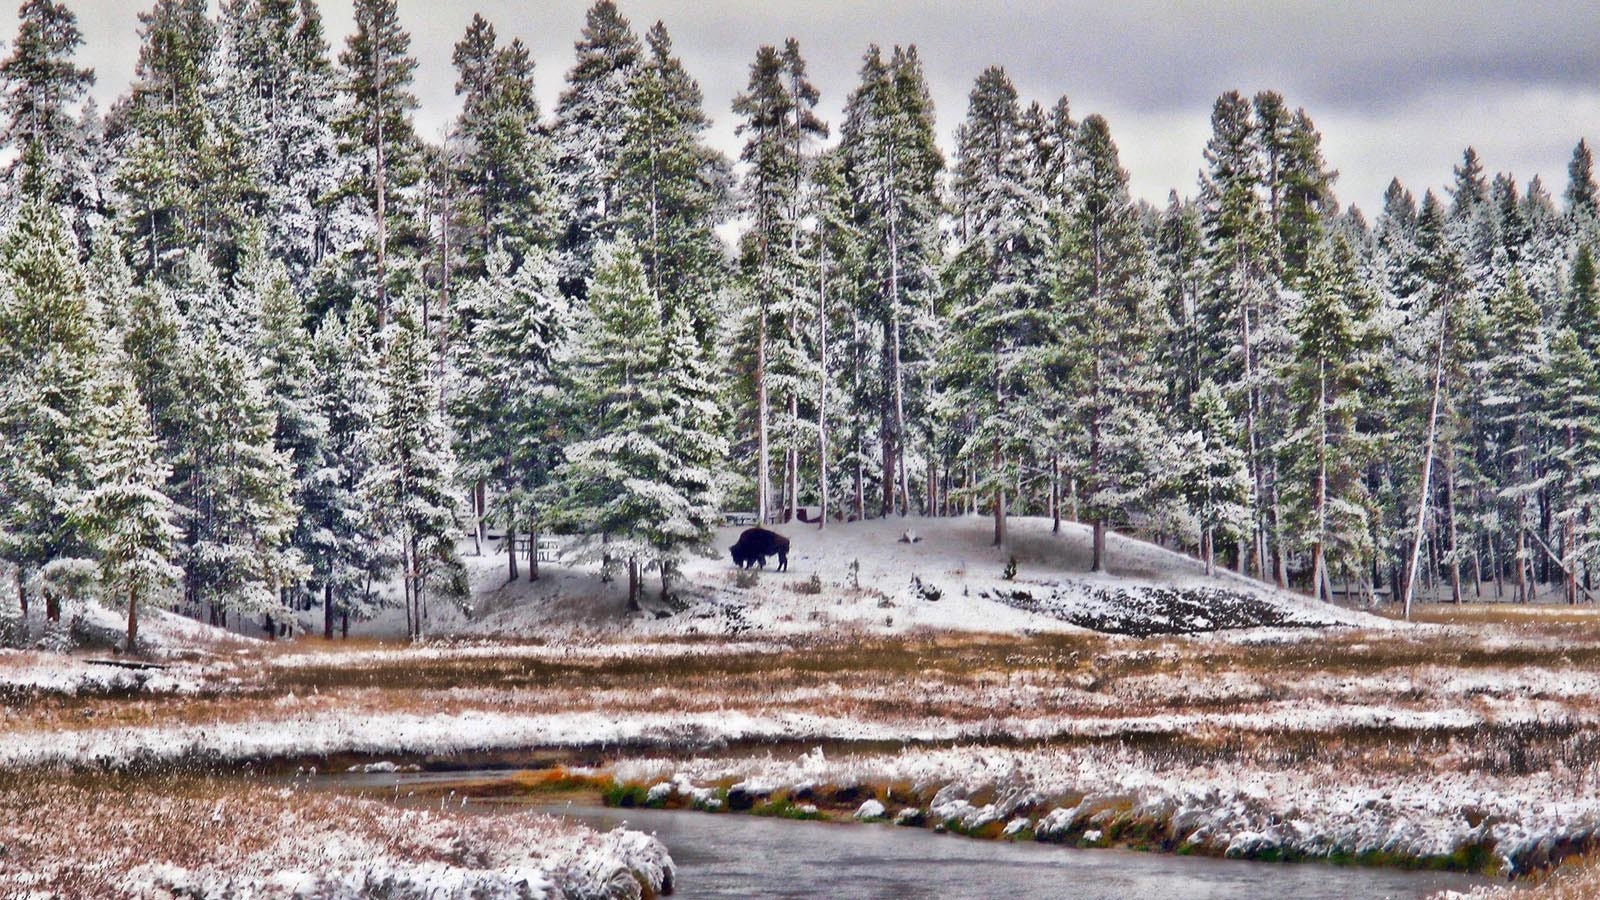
[160, 837]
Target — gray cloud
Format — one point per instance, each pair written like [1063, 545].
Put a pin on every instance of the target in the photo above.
[1399, 88]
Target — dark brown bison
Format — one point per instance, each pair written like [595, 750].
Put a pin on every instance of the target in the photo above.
[756, 544]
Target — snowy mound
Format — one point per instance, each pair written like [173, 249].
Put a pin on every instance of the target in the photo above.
[865, 576]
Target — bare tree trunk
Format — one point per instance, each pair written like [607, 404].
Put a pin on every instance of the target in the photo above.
[1427, 459]
[479, 526]
[327, 610]
[633, 583]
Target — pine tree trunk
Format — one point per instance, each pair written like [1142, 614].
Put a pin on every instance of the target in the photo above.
[327, 610]
[763, 462]
[344, 626]
[511, 549]
[822, 393]
[133, 618]
[1453, 564]
[1098, 563]
[379, 173]
[479, 512]
[633, 584]
[1055, 493]
[533, 553]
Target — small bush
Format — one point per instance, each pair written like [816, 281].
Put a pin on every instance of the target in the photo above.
[746, 578]
[810, 586]
[1010, 572]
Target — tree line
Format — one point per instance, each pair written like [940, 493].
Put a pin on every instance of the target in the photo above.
[263, 347]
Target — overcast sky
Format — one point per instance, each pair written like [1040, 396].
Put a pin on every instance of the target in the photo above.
[1397, 87]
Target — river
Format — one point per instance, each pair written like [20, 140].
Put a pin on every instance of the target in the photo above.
[747, 856]
[732, 855]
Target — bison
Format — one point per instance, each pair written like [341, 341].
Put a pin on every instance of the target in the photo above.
[756, 544]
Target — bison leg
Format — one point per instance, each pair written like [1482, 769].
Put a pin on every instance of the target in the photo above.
[783, 561]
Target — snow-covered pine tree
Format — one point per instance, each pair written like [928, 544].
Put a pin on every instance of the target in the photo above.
[42, 86]
[892, 165]
[671, 187]
[1510, 364]
[505, 409]
[591, 117]
[278, 84]
[374, 123]
[235, 490]
[506, 157]
[1212, 478]
[780, 127]
[1325, 494]
[993, 361]
[347, 555]
[166, 138]
[1582, 196]
[1236, 304]
[127, 513]
[49, 355]
[289, 381]
[1180, 276]
[640, 473]
[411, 486]
[1105, 320]
[1299, 186]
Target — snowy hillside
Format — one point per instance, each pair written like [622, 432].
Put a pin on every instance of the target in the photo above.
[862, 575]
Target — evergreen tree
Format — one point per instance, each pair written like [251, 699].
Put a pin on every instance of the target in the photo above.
[892, 166]
[127, 513]
[1325, 491]
[641, 472]
[1212, 478]
[237, 490]
[49, 357]
[375, 124]
[410, 486]
[289, 382]
[277, 85]
[347, 555]
[1581, 191]
[1509, 370]
[780, 128]
[1104, 304]
[1239, 298]
[168, 141]
[41, 86]
[506, 157]
[1471, 188]
[591, 118]
[507, 427]
[995, 357]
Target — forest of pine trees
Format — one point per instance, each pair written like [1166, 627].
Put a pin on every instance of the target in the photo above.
[264, 349]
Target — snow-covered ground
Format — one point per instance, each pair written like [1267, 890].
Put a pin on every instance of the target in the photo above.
[863, 577]
[243, 839]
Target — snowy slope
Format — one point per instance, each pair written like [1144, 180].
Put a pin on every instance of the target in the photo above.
[871, 580]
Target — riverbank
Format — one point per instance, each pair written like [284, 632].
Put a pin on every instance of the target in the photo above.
[1467, 744]
[197, 836]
